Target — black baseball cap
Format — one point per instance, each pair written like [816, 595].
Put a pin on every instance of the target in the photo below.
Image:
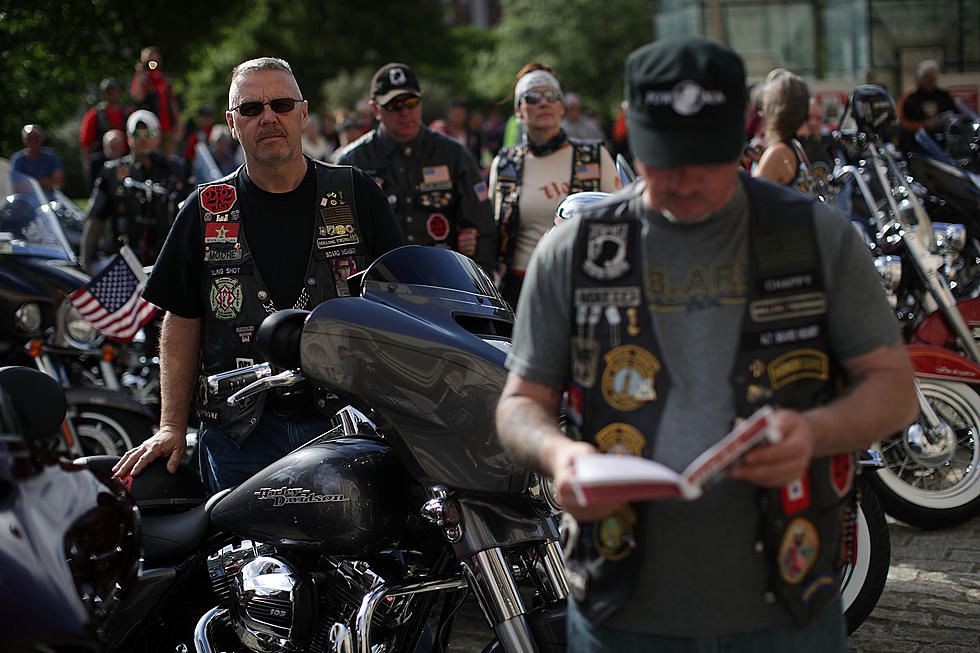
[686, 102]
[392, 80]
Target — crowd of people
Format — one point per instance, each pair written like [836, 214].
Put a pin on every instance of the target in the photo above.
[692, 242]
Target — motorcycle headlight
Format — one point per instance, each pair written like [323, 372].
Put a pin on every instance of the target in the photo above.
[74, 329]
[949, 237]
[890, 269]
[27, 318]
[543, 495]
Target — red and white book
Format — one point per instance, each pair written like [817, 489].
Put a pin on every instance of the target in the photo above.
[605, 478]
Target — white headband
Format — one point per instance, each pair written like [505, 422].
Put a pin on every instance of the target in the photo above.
[534, 79]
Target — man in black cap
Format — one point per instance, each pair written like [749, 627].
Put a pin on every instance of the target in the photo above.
[433, 184]
[675, 307]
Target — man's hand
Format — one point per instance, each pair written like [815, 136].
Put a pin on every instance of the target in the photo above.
[466, 242]
[777, 464]
[562, 465]
[169, 441]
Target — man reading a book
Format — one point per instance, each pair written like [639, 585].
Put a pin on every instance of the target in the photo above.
[717, 294]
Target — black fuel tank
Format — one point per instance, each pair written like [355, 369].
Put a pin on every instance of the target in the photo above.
[345, 496]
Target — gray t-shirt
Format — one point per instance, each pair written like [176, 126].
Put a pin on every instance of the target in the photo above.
[700, 574]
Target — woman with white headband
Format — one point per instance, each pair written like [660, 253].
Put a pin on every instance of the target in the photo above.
[529, 180]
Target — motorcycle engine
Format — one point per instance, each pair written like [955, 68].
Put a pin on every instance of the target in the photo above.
[292, 601]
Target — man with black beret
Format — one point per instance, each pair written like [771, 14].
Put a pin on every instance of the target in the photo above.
[673, 309]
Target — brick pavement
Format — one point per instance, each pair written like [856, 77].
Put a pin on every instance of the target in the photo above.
[931, 602]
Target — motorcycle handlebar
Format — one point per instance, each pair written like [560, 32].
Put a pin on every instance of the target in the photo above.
[226, 383]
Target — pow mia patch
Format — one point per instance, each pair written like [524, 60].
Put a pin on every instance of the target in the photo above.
[628, 378]
[621, 439]
[607, 257]
[797, 550]
[226, 298]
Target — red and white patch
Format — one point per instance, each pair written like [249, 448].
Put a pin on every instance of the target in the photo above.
[841, 473]
[221, 232]
[795, 496]
[218, 198]
[573, 404]
[437, 226]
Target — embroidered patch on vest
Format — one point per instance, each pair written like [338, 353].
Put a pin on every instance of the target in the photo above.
[573, 404]
[841, 473]
[628, 378]
[821, 582]
[221, 232]
[435, 178]
[795, 496]
[585, 361]
[614, 539]
[607, 255]
[799, 364]
[338, 223]
[798, 550]
[624, 296]
[226, 298]
[621, 439]
[786, 308]
[218, 198]
[223, 255]
[437, 226]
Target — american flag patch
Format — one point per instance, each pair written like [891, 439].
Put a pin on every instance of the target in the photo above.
[481, 191]
[435, 174]
[587, 171]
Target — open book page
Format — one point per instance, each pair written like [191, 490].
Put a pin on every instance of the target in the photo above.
[601, 478]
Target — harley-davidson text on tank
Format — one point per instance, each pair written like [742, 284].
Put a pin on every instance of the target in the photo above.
[284, 495]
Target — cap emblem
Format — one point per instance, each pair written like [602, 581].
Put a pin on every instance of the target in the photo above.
[687, 98]
[397, 77]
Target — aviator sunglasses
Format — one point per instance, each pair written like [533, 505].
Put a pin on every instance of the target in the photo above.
[397, 105]
[534, 97]
[254, 108]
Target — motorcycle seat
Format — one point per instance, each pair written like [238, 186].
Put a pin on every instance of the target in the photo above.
[172, 538]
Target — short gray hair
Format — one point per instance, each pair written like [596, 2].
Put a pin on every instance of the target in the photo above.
[255, 65]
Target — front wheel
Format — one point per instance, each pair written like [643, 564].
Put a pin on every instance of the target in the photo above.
[108, 431]
[864, 576]
[937, 484]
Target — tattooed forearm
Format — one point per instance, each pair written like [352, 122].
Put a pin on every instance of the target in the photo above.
[524, 425]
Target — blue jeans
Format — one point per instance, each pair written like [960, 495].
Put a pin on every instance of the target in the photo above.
[827, 633]
[225, 465]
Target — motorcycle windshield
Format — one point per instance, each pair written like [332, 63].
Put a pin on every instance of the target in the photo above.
[429, 266]
[28, 225]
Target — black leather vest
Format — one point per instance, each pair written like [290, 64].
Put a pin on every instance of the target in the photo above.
[619, 382]
[585, 175]
[236, 297]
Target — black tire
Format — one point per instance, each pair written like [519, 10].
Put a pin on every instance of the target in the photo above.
[864, 578]
[943, 494]
[109, 431]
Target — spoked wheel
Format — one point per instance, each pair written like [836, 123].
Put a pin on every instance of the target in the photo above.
[931, 477]
[104, 431]
[864, 576]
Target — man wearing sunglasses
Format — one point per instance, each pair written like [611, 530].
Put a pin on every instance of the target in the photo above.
[280, 232]
[432, 182]
[135, 197]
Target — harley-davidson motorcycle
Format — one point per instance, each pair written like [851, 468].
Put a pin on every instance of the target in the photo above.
[42, 328]
[931, 472]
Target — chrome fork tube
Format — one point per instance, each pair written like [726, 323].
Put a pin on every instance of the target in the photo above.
[493, 583]
[202, 632]
[554, 568]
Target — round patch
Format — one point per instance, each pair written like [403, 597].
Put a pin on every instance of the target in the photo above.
[438, 226]
[622, 439]
[628, 378]
[798, 550]
[613, 536]
[218, 198]
[226, 298]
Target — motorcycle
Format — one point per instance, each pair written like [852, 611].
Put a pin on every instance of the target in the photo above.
[37, 271]
[930, 476]
[369, 537]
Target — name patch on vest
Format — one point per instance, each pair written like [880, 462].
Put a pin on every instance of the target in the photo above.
[226, 298]
[625, 296]
[785, 308]
[607, 255]
[222, 255]
[799, 364]
[629, 376]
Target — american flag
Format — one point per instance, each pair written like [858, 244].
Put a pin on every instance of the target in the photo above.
[111, 300]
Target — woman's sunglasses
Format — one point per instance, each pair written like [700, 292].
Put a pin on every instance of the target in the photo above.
[279, 105]
[534, 97]
[408, 103]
